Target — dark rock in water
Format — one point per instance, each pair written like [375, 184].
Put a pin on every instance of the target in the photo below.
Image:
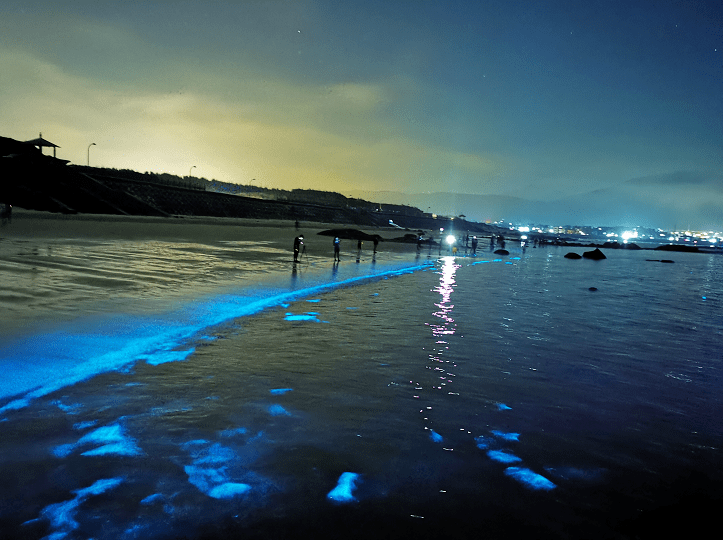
[667, 261]
[501, 252]
[573, 255]
[592, 289]
[678, 247]
[658, 260]
[595, 255]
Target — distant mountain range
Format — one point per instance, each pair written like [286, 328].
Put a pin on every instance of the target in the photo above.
[596, 208]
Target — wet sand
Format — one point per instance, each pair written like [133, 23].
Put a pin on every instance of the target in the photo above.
[32, 224]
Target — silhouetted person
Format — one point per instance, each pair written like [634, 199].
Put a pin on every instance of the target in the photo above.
[474, 245]
[501, 242]
[337, 246]
[298, 242]
[376, 243]
[419, 243]
[7, 214]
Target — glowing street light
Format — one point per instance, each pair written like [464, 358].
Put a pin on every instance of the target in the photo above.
[91, 144]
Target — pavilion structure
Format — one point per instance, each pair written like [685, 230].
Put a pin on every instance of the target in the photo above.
[40, 143]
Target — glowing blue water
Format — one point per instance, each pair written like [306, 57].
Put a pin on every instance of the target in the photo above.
[460, 391]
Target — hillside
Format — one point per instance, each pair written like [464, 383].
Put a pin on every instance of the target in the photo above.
[34, 181]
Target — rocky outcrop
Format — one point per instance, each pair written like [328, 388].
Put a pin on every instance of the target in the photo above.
[678, 247]
[595, 255]
[501, 252]
[573, 255]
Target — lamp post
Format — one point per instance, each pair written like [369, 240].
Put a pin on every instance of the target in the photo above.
[91, 144]
[190, 170]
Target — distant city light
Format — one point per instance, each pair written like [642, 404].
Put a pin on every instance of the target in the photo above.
[627, 235]
[523, 229]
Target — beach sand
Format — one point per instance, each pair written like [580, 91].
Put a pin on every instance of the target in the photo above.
[32, 224]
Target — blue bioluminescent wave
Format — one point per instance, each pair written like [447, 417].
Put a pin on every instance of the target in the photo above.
[38, 364]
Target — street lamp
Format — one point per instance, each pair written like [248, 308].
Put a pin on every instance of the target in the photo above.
[190, 170]
[91, 144]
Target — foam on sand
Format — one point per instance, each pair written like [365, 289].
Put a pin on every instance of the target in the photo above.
[112, 440]
[208, 472]
[529, 478]
[62, 515]
[345, 486]
[503, 457]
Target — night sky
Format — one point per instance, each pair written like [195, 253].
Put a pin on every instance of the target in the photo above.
[594, 112]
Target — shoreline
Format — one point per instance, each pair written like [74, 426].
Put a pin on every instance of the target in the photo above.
[35, 224]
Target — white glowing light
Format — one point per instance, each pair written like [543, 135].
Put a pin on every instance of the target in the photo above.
[450, 239]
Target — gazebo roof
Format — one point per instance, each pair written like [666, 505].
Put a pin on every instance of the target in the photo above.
[42, 142]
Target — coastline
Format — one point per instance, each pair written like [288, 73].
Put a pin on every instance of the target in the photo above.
[32, 223]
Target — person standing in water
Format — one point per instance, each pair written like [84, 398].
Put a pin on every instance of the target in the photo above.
[298, 242]
[337, 247]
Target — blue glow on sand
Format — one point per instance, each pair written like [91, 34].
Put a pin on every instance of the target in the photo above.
[506, 436]
[503, 457]
[112, 440]
[280, 391]
[208, 472]
[308, 316]
[278, 410]
[151, 499]
[482, 442]
[84, 425]
[62, 515]
[529, 478]
[228, 490]
[503, 407]
[342, 493]
[436, 437]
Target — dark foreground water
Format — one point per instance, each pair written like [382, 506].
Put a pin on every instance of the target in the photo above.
[401, 397]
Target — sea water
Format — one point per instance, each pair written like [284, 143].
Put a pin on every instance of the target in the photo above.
[216, 390]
